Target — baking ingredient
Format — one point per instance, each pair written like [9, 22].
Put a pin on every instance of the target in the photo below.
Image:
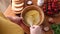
[51, 7]
[51, 20]
[46, 28]
[32, 17]
[29, 2]
[40, 2]
[56, 28]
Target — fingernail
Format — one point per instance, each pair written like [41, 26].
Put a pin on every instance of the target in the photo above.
[33, 27]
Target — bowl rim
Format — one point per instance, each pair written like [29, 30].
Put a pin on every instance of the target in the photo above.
[42, 13]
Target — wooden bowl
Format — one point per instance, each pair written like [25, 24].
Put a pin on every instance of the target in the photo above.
[33, 7]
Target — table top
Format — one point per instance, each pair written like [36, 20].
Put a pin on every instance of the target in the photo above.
[9, 12]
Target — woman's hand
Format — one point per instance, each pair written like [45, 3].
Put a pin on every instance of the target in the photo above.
[35, 29]
[18, 20]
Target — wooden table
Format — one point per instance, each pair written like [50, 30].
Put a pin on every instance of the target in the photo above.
[9, 12]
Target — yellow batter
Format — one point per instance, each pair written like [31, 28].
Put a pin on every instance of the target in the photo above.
[32, 17]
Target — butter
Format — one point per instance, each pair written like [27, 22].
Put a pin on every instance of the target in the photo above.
[32, 17]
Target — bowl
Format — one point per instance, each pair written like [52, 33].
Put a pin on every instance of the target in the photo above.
[33, 7]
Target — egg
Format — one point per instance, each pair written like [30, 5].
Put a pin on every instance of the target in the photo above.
[32, 17]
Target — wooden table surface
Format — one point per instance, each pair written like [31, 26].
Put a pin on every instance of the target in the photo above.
[9, 12]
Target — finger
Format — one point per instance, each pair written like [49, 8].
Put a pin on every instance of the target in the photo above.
[21, 18]
[14, 19]
[34, 27]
